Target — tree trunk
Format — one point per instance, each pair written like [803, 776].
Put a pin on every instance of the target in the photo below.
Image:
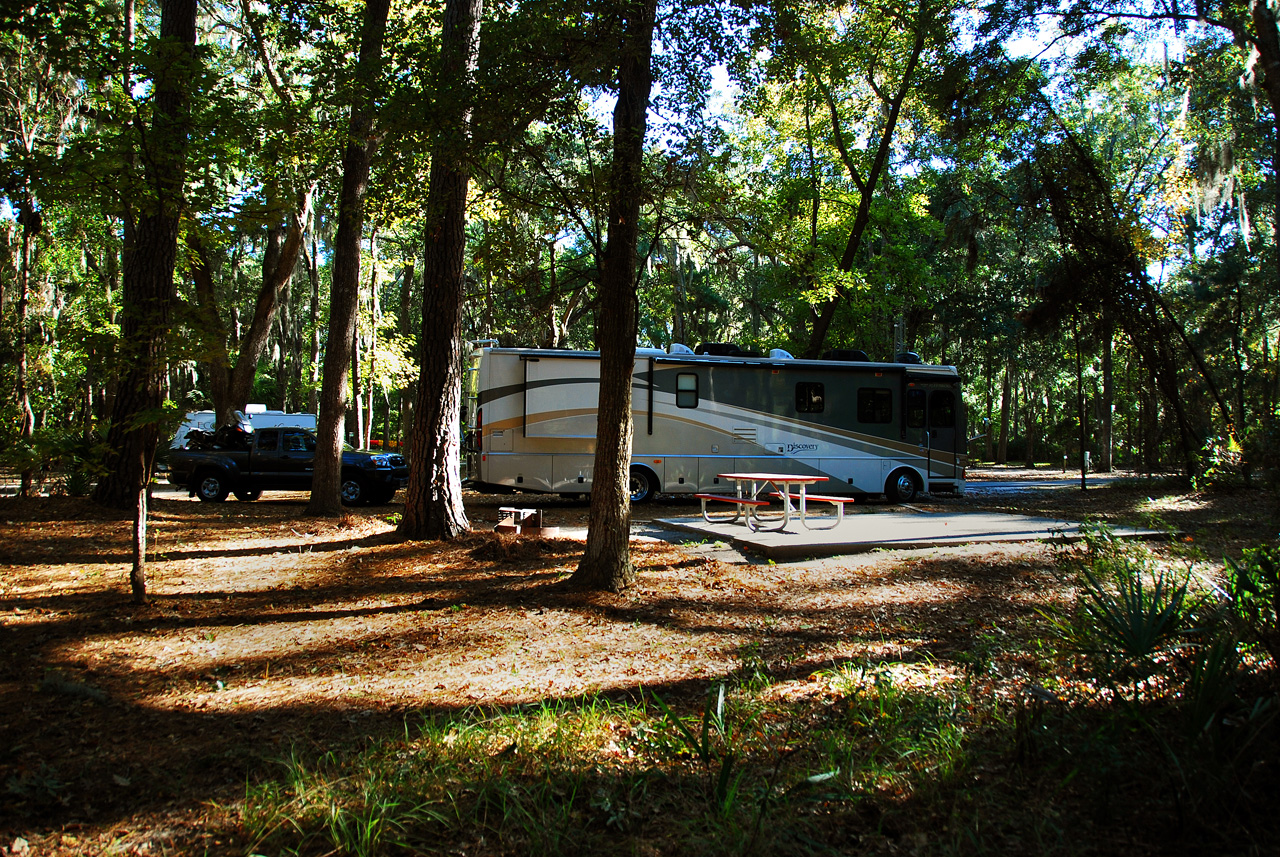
[27, 417]
[344, 293]
[1028, 436]
[277, 269]
[1006, 400]
[988, 445]
[357, 400]
[1106, 459]
[433, 501]
[409, 395]
[1081, 416]
[313, 276]
[606, 562]
[149, 264]
[138, 574]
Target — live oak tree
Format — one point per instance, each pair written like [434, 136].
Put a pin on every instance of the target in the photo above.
[606, 562]
[361, 144]
[148, 275]
[433, 501]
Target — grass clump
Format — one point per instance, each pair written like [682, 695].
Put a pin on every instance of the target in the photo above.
[733, 774]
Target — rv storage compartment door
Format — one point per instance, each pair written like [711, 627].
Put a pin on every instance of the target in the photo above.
[561, 397]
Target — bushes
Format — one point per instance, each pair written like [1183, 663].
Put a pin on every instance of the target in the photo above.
[1253, 594]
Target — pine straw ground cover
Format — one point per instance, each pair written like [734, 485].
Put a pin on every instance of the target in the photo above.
[312, 686]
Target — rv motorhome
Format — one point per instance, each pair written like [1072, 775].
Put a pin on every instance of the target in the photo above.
[871, 428]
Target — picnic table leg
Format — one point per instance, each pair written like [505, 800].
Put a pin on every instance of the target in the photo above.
[737, 513]
[754, 521]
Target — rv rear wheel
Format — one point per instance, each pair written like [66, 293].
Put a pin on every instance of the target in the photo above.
[643, 485]
[902, 486]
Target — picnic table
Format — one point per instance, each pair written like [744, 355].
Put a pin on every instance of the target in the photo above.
[752, 489]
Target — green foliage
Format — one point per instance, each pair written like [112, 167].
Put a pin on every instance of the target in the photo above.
[1129, 620]
[737, 774]
[1220, 459]
[714, 746]
[1253, 593]
[73, 461]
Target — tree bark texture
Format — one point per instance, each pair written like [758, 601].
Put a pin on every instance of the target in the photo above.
[313, 278]
[1006, 401]
[149, 264]
[409, 396]
[433, 501]
[1107, 457]
[606, 562]
[344, 291]
[26, 430]
[1266, 42]
[138, 573]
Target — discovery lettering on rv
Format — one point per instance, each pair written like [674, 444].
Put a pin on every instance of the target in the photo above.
[801, 447]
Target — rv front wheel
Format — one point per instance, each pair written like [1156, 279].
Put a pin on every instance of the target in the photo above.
[901, 486]
[643, 485]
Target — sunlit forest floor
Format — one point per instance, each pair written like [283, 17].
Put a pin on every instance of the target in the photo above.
[316, 686]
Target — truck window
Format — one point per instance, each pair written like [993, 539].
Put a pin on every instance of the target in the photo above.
[296, 441]
[810, 397]
[942, 409]
[686, 390]
[915, 408]
[268, 439]
[875, 405]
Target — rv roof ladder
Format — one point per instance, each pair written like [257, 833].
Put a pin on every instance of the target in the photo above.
[471, 380]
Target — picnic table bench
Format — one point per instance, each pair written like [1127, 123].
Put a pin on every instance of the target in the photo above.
[806, 498]
[747, 503]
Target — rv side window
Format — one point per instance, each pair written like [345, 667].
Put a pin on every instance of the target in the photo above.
[810, 398]
[875, 405]
[942, 409]
[686, 391]
[268, 439]
[915, 408]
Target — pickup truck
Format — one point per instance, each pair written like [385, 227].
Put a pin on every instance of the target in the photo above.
[281, 459]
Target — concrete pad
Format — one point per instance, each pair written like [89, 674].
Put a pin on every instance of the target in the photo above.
[900, 528]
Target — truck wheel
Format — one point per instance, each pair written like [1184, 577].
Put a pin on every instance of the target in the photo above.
[902, 486]
[642, 485]
[211, 487]
[248, 496]
[353, 491]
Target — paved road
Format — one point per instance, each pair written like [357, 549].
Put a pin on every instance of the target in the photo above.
[1048, 483]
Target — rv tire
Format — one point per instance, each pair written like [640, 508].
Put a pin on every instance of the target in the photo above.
[643, 485]
[902, 486]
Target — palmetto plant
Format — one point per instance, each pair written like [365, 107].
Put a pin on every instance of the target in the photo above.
[1129, 620]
